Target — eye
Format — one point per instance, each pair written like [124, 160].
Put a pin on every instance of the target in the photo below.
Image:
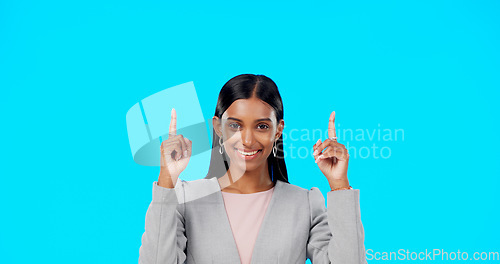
[263, 126]
[234, 125]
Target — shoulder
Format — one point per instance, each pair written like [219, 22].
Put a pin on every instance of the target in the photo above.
[195, 184]
[196, 189]
[296, 188]
[292, 189]
[313, 195]
[307, 200]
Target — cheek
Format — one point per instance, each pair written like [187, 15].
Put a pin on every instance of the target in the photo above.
[266, 142]
[231, 135]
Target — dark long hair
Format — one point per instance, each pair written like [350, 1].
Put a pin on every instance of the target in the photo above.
[245, 86]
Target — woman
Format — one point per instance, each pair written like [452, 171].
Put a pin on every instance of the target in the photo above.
[245, 210]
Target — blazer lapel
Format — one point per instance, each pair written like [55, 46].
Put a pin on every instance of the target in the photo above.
[259, 251]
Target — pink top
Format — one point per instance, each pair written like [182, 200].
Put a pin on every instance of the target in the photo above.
[245, 213]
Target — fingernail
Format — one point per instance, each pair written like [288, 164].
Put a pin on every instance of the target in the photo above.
[316, 160]
[185, 153]
[315, 152]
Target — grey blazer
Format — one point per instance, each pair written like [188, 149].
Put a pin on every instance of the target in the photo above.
[189, 224]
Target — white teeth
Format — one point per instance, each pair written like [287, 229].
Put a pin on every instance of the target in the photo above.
[247, 153]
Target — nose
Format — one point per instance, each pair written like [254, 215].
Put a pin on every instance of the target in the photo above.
[247, 137]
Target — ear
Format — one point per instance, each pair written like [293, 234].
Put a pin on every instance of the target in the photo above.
[281, 126]
[216, 122]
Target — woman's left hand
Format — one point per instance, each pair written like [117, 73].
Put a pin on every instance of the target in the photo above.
[333, 161]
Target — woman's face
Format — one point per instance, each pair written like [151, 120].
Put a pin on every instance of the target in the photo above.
[248, 130]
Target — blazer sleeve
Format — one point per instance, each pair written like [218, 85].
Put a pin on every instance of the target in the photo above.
[164, 240]
[336, 235]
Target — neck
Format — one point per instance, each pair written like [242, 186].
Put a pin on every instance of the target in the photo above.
[237, 181]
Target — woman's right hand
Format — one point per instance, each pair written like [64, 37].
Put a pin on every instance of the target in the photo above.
[175, 155]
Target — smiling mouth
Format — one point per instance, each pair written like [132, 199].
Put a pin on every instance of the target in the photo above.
[248, 153]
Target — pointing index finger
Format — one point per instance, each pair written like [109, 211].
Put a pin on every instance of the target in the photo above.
[172, 131]
[331, 126]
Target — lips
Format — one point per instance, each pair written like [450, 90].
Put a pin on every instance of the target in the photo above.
[247, 154]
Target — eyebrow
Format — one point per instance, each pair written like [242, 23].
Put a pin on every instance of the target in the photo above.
[258, 120]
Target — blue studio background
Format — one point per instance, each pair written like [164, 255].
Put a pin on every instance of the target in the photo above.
[70, 191]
